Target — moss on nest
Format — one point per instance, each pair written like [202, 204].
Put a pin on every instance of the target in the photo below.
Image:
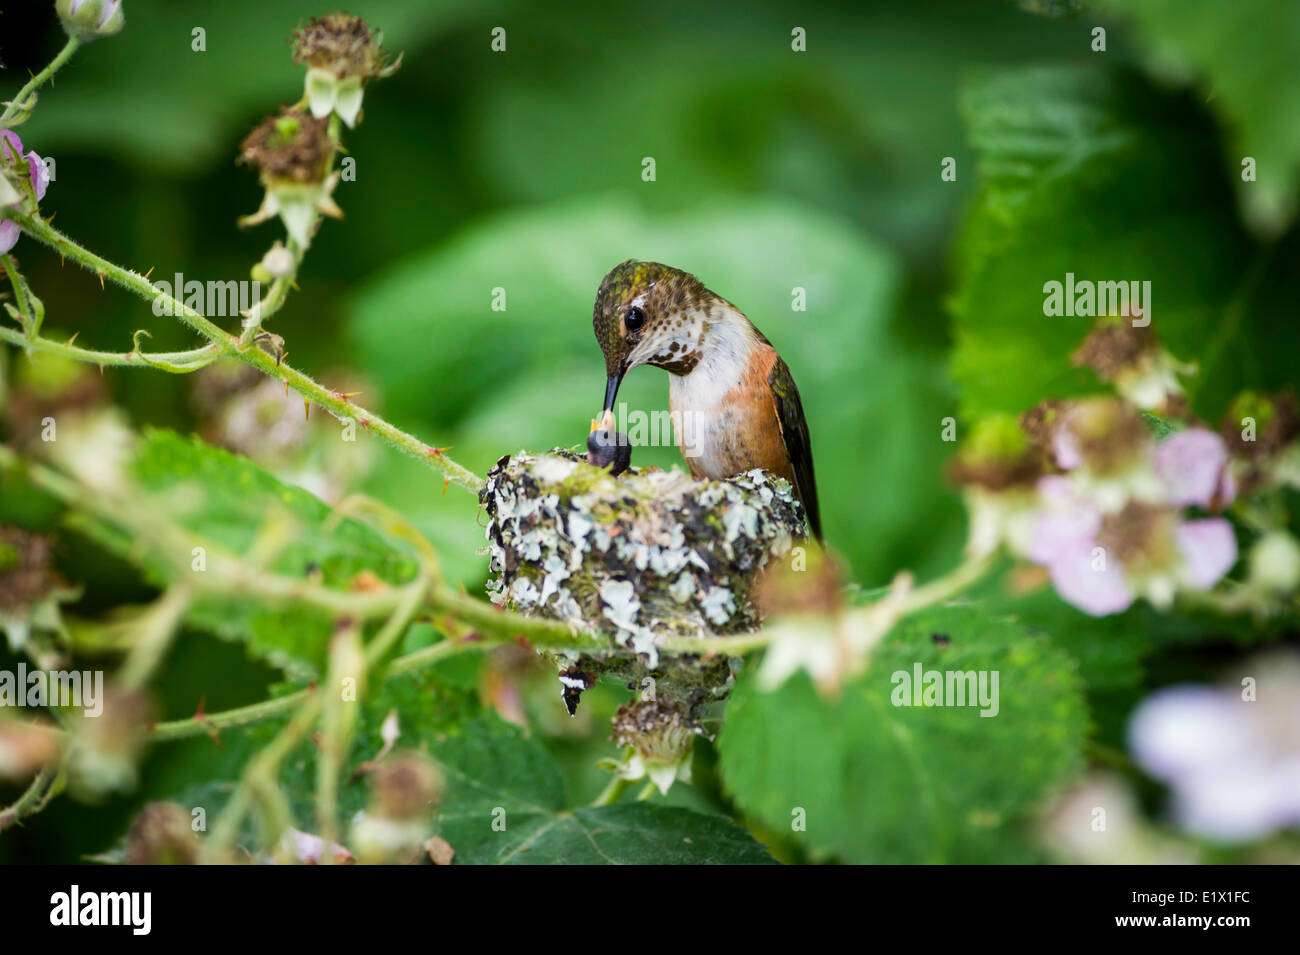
[647, 554]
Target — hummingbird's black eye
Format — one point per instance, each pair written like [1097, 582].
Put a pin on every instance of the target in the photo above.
[634, 318]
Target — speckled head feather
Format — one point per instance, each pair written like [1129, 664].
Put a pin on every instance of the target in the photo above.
[666, 296]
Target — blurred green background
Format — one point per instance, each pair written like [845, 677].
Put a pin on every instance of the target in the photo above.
[776, 169]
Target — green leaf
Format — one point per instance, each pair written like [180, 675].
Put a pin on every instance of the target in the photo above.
[1092, 173]
[1242, 58]
[505, 805]
[227, 500]
[505, 800]
[910, 784]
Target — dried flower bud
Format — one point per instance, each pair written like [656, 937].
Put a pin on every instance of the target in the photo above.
[25, 573]
[1130, 358]
[406, 787]
[1105, 435]
[1257, 426]
[293, 152]
[30, 590]
[162, 835]
[89, 20]
[1040, 422]
[342, 52]
[292, 147]
[340, 43]
[662, 738]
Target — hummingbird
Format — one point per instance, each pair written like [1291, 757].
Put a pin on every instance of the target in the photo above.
[733, 400]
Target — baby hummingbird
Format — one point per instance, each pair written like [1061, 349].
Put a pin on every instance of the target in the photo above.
[733, 401]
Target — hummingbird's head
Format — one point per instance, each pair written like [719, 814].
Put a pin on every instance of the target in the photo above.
[649, 314]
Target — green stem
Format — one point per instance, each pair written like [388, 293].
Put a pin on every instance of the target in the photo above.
[20, 293]
[34, 796]
[176, 362]
[157, 628]
[489, 620]
[239, 716]
[968, 572]
[612, 792]
[336, 404]
[19, 103]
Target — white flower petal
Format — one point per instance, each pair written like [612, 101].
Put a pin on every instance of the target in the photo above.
[322, 92]
[349, 100]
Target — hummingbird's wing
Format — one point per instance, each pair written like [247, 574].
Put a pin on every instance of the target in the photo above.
[798, 445]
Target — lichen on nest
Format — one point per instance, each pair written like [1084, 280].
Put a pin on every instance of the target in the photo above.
[648, 554]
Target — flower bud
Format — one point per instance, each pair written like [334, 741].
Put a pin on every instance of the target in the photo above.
[1130, 358]
[662, 738]
[24, 178]
[1275, 562]
[292, 152]
[342, 52]
[88, 20]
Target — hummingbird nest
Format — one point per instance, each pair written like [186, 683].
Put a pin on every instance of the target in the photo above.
[637, 557]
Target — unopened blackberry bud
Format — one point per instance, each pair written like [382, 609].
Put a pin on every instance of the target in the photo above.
[1275, 562]
[88, 20]
[162, 835]
[607, 448]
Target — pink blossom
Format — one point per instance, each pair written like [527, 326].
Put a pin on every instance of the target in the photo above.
[1098, 588]
[11, 154]
[1232, 765]
[1193, 465]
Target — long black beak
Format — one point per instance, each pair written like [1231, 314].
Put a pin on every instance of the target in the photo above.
[611, 389]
